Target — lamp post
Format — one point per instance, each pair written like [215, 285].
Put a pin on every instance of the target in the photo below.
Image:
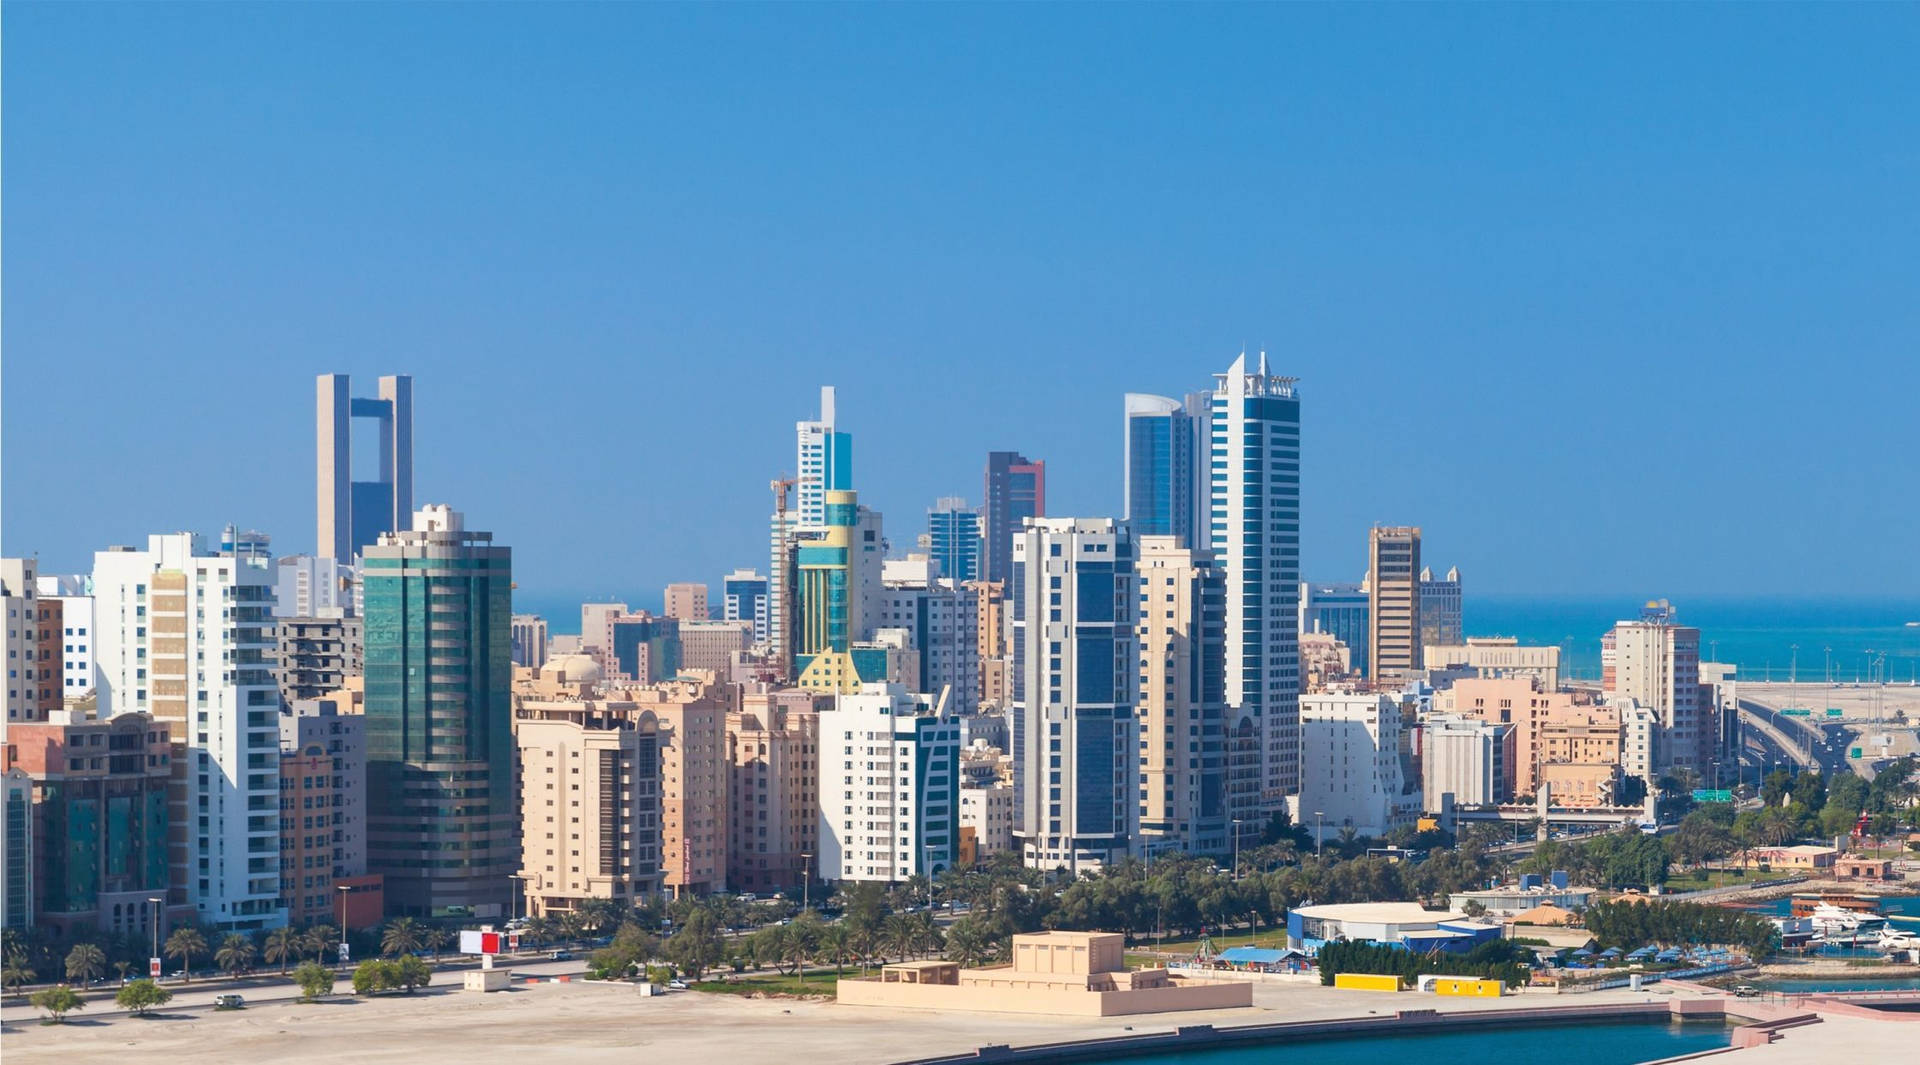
[1236, 848]
[343, 889]
[806, 881]
[153, 962]
[1319, 837]
[513, 900]
[928, 847]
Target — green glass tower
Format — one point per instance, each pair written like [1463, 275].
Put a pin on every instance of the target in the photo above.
[442, 823]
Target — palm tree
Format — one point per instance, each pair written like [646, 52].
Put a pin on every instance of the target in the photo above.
[898, 935]
[572, 924]
[282, 945]
[124, 968]
[965, 944]
[17, 972]
[235, 954]
[182, 945]
[403, 936]
[86, 963]
[833, 945]
[437, 940]
[318, 938]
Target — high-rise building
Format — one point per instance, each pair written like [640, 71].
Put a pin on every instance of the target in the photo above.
[1164, 483]
[991, 631]
[443, 825]
[186, 635]
[35, 662]
[1339, 610]
[1075, 736]
[1440, 614]
[332, 727]
[743, 596]
[1255, 530]
[827, 606]
[74, 593]
[824, 461]
[692, 718]
[311, 586]
[90, 823]
[1182, 700]
[774, 774]
[939, 616]
[953, 538]
[889, 786]
[1393, 604]
[687, 601]
[316, 655]
[353, 514]
[17, 881]
[1655, 662]
[1467, 758]
[596, 631]
[710, 645]
[1016, 489]
[529, 636]
[590, 799]
[1350, 764]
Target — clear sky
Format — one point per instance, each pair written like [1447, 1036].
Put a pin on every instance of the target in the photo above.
[1610, 299]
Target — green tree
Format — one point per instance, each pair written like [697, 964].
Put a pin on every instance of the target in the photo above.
[966, 943]
[696, 946]
[183, 946]
[235, 954]
[314, 979]
[403, 935]
[141, 996]
[86, 963]
[372, 976]
[281, 946]
[437, 940]
[57, 1001]
[410, 971]
[17, 973]
[320, 938]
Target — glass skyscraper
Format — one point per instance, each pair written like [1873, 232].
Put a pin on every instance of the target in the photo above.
[953, 536]
[1016, 489]
[443, 823]
[1164, 483]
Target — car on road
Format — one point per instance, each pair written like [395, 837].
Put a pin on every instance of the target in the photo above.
[1745, 991]
[561, 955]
[677, 985]
[229, 1002]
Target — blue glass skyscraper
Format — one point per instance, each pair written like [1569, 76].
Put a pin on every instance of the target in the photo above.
[1164, 484]
[953, 538]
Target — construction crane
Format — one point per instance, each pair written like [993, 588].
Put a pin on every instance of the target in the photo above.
[781, 485]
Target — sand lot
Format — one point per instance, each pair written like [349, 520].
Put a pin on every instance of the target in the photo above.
[582, 1023]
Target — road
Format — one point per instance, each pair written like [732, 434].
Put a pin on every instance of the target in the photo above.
[265, 987]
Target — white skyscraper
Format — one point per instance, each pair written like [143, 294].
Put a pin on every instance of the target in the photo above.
[188, 636]
[824, 461]
[1076, 757]
[75, 595]
[1350, 764]
[1254, 519]
[889, 786]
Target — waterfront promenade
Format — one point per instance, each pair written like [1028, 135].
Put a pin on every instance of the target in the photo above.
[586, 1023]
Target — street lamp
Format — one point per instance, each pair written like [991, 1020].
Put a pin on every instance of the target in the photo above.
[153, 962]
[1319, 837]
[343, 889]
[513, 899]
[1236, 848]
[928, 847]
[806, 881]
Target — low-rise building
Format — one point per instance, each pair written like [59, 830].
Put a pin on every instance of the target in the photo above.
[1466, 758]
[1062, 974]
[1509, 903]
[1403, 924]
[1800, 856]
[986, 819]
[709, 646]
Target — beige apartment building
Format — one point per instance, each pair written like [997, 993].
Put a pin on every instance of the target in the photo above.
[1182, 698]
[1656, 663]
[590, 789]
[1497, 656]
[1580, 754]
[990, 630]
[1532, 712]
[773, 799]
[1393, 602]
[687, 601]
[691, 712]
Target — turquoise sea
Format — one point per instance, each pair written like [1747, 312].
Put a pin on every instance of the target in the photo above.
[1756, 634]
[1599, 1044]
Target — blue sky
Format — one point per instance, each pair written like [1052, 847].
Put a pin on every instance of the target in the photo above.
[1611, 299]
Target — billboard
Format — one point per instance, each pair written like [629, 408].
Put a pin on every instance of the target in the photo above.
[472, 942]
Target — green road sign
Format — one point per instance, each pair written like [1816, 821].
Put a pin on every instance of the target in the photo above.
[1855, 753]
[1796, 711]
[1834, 711]
[1712, 795]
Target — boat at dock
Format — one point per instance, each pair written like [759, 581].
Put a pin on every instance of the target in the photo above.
[1805, 904]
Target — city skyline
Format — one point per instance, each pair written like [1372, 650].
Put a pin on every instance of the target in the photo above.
[1547, 318]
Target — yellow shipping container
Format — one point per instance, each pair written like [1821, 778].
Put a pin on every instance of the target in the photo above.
[1366, 981]
[1469, 988]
